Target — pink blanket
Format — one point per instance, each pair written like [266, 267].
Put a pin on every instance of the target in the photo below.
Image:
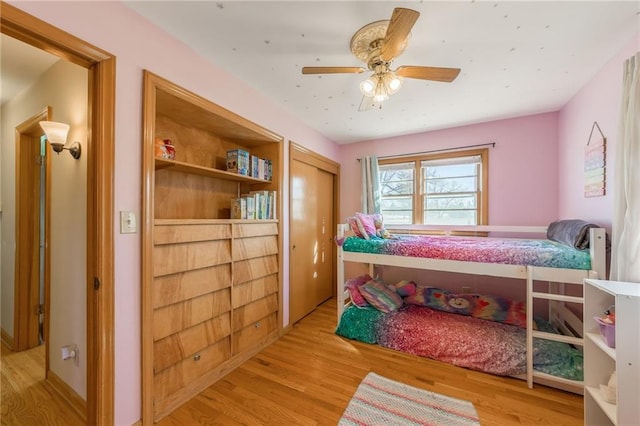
[456, 339]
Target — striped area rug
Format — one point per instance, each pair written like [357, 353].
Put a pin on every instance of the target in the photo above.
[382, 401]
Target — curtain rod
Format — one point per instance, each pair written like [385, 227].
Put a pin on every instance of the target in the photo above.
[492, 144]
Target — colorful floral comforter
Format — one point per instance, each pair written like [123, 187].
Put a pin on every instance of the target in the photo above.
[464, 341]
[475, 249]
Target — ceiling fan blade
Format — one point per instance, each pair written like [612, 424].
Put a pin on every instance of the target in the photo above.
[428, 73]
[402, 20]
[332, 70]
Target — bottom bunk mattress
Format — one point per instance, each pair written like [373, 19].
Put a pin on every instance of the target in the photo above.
[460, 340]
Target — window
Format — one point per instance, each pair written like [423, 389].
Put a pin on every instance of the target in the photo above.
[439, 189]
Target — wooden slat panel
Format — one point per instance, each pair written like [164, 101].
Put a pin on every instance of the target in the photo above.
[251, 269]
[174, 288]
[189, 341]
[169, 259]
[166, 352]
[244, 230]
[254, 290]
[171, 234]
[248, 248]
[173, 318]
[249, 314]
[248, 336]
[181, 374]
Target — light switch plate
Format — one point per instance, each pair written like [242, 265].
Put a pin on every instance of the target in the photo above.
[128, 222]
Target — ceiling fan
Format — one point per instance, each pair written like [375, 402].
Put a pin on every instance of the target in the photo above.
[377, 44]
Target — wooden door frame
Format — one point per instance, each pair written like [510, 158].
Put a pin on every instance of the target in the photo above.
[25, 324]
[299, 153]
[100, 165]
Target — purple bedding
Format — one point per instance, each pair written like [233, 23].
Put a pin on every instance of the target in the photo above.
[475, 249]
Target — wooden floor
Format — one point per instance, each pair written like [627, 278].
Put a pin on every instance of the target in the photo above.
[309, 375]
[305, 378]
[26, 397]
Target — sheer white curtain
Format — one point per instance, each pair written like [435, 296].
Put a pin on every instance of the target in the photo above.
[625, 256]
[370, 185]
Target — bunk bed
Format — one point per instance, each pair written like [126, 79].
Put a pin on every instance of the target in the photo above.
[562, 326]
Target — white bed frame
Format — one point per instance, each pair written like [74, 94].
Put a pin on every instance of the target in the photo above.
[559, 315]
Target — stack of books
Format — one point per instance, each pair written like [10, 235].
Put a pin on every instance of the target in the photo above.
[241, 162]
[260, 205]
[238, 162]
[261, 168]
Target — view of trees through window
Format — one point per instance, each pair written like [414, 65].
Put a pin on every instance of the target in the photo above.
[449, 191]
[396, 187]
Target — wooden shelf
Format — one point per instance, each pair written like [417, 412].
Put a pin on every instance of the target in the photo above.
[220, 277]
[210, 221]
[178, 166]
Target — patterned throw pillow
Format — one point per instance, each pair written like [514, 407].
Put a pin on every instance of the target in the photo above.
[366, 225]
[500, 309]
[487, 307]
[352, 287]
[380, 296]
[353, 224]
[404, 288]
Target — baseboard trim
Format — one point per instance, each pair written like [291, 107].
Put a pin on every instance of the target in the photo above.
[7, 340]
[67, 393]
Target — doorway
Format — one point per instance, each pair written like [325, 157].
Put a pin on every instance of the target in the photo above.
[313, 205]
[100, 165]
[32, 235]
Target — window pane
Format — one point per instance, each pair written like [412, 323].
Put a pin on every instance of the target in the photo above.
[452, 170]
[397, 210]
[398, 217]
[450, 217]
[397, 203]
[450, 202]
[458, 184]
[396, 179]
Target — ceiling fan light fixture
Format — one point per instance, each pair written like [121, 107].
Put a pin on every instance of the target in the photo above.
[368, 86]
[392, 82]
[380, 85]
[380, 96]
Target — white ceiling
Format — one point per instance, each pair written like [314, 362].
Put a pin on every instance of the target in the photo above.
[517, 58]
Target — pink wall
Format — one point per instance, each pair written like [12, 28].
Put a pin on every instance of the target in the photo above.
[599, 101]
[139, 45]
[523, 165]
[523, 168]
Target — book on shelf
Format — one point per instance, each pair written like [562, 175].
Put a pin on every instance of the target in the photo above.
[259, 205]
[238, 208]
[251, 208]
[260, 168]
[238, 161]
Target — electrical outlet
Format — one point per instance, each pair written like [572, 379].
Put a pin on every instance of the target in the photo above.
[466, 289]
[70, 351]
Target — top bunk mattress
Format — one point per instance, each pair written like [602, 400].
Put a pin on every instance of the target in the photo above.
[534, 252]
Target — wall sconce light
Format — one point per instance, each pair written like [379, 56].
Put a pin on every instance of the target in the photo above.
[57, 136]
